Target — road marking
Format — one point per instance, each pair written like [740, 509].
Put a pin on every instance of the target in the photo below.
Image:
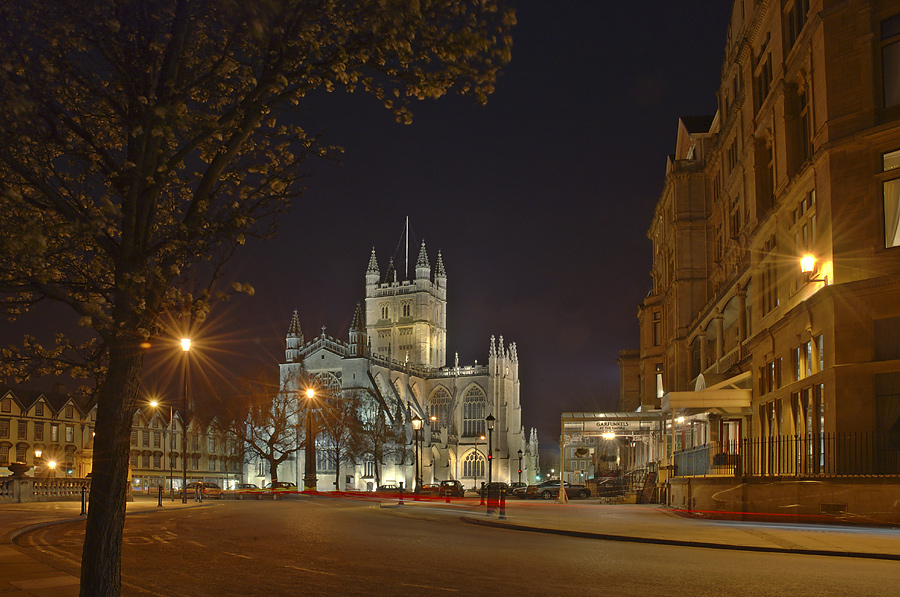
[429, 587]
[313, 571]
[237, 555]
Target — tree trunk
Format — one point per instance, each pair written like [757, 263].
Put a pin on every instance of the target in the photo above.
[337, 475]
[101, 558]
[273, 471]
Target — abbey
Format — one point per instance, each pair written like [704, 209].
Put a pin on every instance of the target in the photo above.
[395, 359]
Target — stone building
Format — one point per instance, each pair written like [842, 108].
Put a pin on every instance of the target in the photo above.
[46, 430]
[762, 368]
[395, 357]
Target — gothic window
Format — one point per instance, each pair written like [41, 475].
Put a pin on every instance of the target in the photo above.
[385, 311]
[407, 308]
[440, 408]
[473, 412]
[473, 465]
[325, 460]
[327, 384]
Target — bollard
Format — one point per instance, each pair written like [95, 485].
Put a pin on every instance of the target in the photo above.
[502, 504]
[83, 500]
[482, 494]
[159, 505]
[491, 500]
[400, 503]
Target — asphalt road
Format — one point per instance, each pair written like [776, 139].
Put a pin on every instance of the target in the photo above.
[329, 546]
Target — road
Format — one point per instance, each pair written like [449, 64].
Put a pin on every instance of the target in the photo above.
[348, 547]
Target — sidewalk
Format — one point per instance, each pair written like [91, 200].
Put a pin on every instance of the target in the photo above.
[657, 524]
[21, 574]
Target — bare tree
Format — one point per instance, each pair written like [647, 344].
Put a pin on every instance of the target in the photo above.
[143, 142]
[382, 434]
[340, 427]
[265, 418]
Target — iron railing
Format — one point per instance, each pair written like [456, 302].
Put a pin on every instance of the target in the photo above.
[824, 454]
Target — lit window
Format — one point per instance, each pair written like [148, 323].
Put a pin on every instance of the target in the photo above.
[474, 405]
[473, 465]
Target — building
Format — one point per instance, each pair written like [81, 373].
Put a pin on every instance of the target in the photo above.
[769, 366]
[395, 359]
[157, 451]
[46, 430]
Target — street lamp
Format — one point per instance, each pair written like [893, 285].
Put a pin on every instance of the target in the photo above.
[170, 442]
[309, 475]
[490, 427]
[417, 427]
[808, 267]
[520, 466]
[186, 351]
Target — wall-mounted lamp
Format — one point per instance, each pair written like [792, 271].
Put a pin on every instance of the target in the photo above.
[808, 267]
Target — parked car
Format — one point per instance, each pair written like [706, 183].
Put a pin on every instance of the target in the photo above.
[280, 488]
[451, 488]
[430, 489]
[496, 486]
[517, 489]
[246, 491]
[550, 489]
[206, 489]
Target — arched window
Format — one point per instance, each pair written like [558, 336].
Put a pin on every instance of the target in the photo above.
[473, 465]
[385, 311]
[439, 407]
[328, 384]
[473, 412]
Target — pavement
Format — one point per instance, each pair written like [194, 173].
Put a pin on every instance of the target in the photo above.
[20, 574]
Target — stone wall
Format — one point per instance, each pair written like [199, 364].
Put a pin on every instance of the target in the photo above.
[869, 500]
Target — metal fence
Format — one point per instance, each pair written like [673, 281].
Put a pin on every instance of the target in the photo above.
[824, 454]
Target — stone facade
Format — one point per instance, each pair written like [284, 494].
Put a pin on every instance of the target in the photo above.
[802, 158]
[395, 356]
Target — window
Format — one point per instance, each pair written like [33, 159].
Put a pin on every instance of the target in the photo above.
[134, 440]
[4, 455]
[820, 349]
[145, 461]
[805, 126]
[195, 463]
[70, 412]
[794, 21]
[769, 287]
[157, 436]
[440, 408]
[473, 465]
[39, 432]
[6, 405]
[407, 308]
[891, 191]
[212, 443]
[474, 405]
[146, 437]
[54, 432]
[23, 430]
[657, 328]
[39, 409]
[660, 391]
[763, 80]
[385, 311]
[4, 428]
[890, 60]
[70, 433]
[325, 460]
[157, 461]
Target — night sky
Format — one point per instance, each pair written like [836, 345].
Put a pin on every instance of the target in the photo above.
[539, 202]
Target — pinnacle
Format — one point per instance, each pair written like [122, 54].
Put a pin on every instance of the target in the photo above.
[423, 257]
[294, 329]
[373, 264]
[439, 266]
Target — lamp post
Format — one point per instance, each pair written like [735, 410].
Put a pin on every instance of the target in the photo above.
[490, 427]
[169, 443]
[186, 351]
[475, 467]
[520, 466]
[309, 475]
[417, 427]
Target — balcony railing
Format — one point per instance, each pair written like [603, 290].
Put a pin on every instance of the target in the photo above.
[824, 454]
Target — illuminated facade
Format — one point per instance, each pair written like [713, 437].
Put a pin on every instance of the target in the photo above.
[395, 357]
[740, 348]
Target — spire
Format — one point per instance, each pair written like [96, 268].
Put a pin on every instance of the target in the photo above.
[423, 268]
[356, 324]
[493, 350]
[294, 330]
[439, 266]
[390, 276]
[373, 264]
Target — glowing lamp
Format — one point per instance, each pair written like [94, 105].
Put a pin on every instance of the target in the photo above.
[808, 263]
[310, 393]
[609, 435]
[185, 344]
